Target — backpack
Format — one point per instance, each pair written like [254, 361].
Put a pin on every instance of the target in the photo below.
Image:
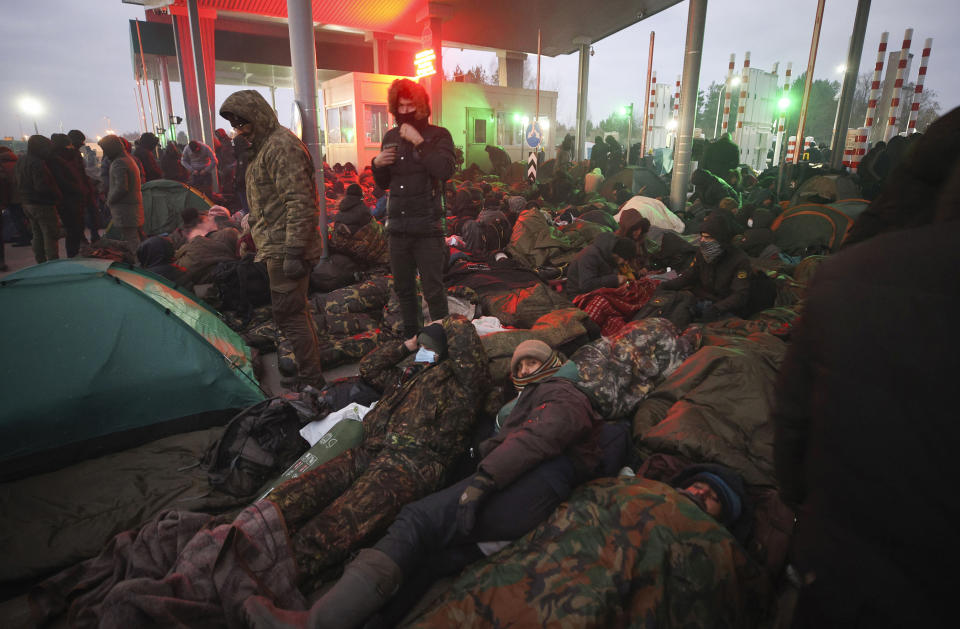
[242, 284]
[258, 443]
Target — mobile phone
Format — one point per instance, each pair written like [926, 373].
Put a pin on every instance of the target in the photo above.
[390, 145]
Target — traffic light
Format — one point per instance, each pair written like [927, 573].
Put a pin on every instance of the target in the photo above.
[784, 103]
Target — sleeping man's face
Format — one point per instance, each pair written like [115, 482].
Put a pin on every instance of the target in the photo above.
[704, 497]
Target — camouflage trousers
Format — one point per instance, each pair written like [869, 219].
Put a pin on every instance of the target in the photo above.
[350, 501]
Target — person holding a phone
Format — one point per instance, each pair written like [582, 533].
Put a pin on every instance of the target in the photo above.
[415, 159]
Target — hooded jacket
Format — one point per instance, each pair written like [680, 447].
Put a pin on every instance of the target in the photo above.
[758, 237]
[711, 189]
[593, 267]
[34, 177]
[415, 181]
[145, 153]
[124, 198]
[9, 191]
[280, 184]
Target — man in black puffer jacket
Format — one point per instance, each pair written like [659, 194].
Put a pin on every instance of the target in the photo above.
[718, 276]
[415, 159]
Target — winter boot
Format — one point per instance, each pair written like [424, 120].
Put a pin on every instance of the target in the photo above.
[367, 583]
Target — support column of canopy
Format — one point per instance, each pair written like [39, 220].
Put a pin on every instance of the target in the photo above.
[510, 68]
[431, 17]
[696, 20]
[303, 58]
[380, 43]
[583, 79]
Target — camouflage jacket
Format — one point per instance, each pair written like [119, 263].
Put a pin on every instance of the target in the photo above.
[281, 187]
[435, 410]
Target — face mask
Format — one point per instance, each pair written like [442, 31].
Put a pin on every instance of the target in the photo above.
[424, 355]
[749, 222]
[411, 119]
[711, 250]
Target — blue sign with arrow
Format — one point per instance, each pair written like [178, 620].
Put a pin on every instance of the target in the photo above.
[533, 134]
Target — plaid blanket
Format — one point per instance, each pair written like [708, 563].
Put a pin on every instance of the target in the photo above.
[612, 308]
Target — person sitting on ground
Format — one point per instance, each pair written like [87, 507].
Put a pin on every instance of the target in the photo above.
[711, 189]
[546, 443]
[636, 227]
[155, 254]
[758, 235]
[718, 276]
[598, 265]
[353, 212]
[411, 439]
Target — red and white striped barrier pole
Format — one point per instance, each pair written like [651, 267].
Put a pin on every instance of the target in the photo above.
[782, 122]
[652, 105]
[676, 103]
[875, 84]
[726, 96]
[860, 149]
[891, 129]
[918, 90]
[791, 147]
[742, 103]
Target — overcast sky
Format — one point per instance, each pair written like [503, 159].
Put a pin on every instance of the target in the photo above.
[74, 56]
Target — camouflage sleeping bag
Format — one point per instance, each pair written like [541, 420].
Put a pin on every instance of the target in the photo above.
[619, 371]
[622, 552]
[368, 247]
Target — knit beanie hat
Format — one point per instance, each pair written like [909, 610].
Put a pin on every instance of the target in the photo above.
[729, 499]
[434, 338]
[625, 248]
[531, 348]
[354, 190]
[715, 225]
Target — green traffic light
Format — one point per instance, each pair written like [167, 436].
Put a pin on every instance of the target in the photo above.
[784, 103]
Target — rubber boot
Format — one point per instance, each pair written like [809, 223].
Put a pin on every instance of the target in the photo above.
[367, 583]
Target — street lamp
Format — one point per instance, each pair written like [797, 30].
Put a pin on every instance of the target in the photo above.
[32, 108]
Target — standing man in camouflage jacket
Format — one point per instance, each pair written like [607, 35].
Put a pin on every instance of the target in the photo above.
[282, 195]
[415, 159]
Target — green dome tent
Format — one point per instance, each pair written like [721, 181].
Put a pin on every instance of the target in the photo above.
[163, 200]
[811, 228]
[99, 356]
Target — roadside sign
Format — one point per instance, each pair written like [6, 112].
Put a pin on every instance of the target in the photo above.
[532, 167]
[533, 134]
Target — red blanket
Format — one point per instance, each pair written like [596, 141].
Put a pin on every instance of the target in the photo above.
[612, 308]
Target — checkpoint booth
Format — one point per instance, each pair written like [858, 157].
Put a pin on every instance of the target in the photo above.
[356, 117]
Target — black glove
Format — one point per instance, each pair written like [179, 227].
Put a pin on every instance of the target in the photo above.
[470, 501]
[293, 265]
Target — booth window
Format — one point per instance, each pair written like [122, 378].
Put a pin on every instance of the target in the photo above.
[480, 130]
[341, 126]
[376, 123]
[509, 130]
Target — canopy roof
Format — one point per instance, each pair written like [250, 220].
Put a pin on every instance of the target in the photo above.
[493, 24]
